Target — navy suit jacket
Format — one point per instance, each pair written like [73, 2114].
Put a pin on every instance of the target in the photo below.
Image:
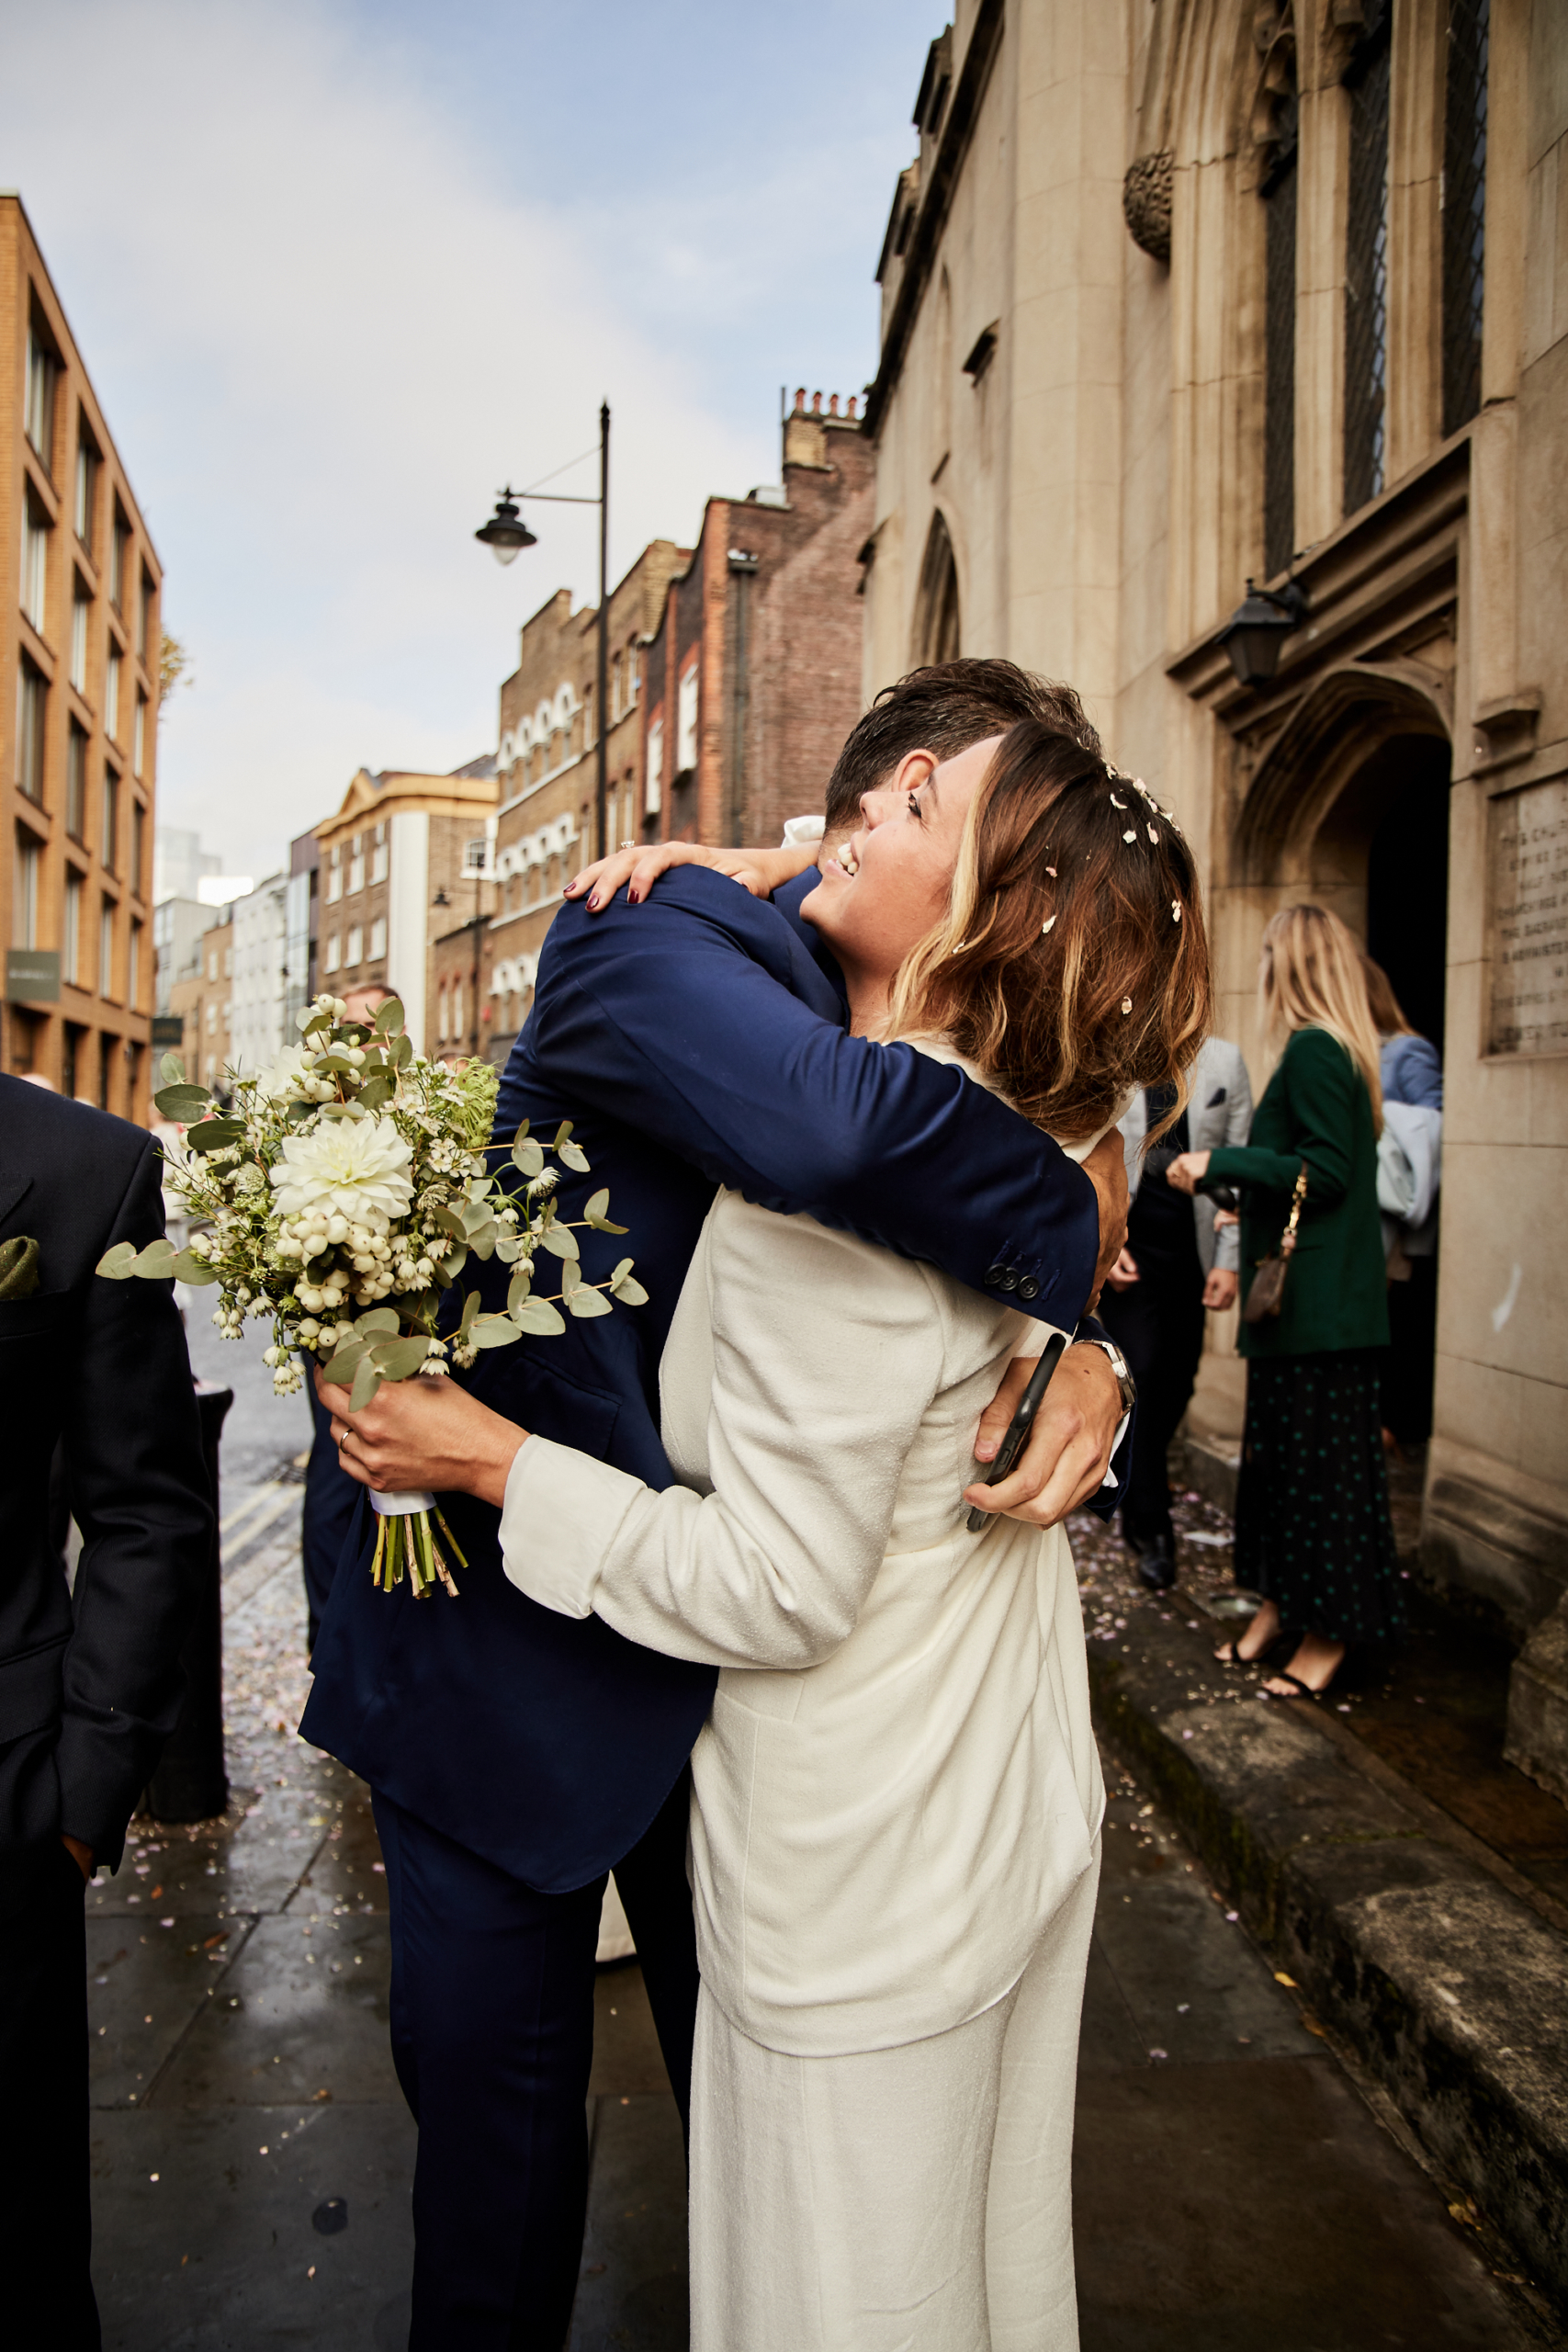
[695, 1041]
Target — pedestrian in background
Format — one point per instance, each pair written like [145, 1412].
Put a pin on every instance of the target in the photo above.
[1412, 1075]
[1312, 1535]
[1174, 1270]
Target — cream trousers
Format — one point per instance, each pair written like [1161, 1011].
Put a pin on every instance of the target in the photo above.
[914, 2199]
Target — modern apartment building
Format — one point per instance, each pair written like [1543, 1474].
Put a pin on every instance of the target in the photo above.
[548, 766]
[201, 999]
[79, 640]
[404, 857]
[259, 1000]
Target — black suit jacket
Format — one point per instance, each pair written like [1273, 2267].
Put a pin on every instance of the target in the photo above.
[89, 1693]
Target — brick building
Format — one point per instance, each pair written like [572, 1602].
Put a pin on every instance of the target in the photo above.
[78, 710]
[201, 999]
[399, 853]
[549, 775]
[754, 670]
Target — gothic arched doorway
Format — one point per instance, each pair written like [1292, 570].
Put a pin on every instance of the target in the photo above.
[936, 616]
[1350, 808]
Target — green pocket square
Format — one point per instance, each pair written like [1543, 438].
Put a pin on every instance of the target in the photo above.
[18, 1268]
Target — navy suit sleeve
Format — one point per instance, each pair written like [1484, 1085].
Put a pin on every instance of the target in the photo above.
[699, 1018]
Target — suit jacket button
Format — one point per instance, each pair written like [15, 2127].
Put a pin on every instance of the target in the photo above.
[1028, 1288]
[996, 1277]
[1007, 1277]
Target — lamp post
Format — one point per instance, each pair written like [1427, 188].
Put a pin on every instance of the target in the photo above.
[1258, 627]
[506, 535]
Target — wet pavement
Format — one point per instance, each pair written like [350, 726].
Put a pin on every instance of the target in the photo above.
[1235, 2187]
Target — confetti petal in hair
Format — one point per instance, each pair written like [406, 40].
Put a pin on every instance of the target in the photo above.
[1117, 804]
[1131, 835]
[1052, 872]
[1154, 834]
[1126, 1004]
[1046, 925]
[1176, 911]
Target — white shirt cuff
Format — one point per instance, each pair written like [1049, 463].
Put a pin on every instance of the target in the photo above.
[560, 1514]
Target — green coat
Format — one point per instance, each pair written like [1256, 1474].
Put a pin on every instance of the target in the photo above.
[1316, 1108]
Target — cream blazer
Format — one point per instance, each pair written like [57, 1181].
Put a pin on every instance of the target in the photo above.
[898, 1781]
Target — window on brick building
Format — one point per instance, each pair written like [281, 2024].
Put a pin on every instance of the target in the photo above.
[354, 952]
[35, 562]
[118, 554]
[111, 694]
[686, 720]
[32, 708]
[87, 464]
[334, 873]
[76, 781]
[653, 785]
[138, 846]
[43, 377]
[70, 933]
[106, 947]
[24, 914]
[81, 608]
[144, 616]
[138, 734]
[378, 856]
[133, 970]
[334, 954]
[109, 844]
[356, 864]
[378, 939]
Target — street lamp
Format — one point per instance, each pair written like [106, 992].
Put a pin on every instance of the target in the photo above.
[506, 535]
[1255, 631]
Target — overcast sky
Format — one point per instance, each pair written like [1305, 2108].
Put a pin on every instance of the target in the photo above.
[337, 269]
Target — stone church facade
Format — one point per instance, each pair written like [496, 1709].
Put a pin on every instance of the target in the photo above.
[1181, 296]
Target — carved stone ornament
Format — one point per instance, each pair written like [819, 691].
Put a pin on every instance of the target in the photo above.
[1145, 201]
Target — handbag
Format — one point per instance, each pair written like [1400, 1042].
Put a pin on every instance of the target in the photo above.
[1266, 1293]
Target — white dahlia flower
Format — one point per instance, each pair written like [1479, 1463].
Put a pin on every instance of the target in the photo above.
[354, 1168]
[285, 1075]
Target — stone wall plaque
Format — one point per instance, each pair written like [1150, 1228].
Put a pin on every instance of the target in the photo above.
[1528, 887]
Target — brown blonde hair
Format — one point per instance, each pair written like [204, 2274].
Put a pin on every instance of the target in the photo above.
[1388, 1015]
[1072, 965]
[1311, 977]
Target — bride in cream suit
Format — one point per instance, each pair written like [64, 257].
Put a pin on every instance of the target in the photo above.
[897, 1804]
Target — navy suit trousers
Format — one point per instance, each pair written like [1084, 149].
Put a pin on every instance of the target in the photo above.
[493, 2037]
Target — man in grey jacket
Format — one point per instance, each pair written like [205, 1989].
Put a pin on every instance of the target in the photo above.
[1174, 1270]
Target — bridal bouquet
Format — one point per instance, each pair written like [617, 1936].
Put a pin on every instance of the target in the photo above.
[340, 1196]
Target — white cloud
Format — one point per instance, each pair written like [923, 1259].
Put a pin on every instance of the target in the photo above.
[321, 337]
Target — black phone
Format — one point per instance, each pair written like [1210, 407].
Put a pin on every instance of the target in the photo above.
[1021, 1424]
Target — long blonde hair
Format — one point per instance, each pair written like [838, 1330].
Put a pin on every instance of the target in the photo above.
[1310, 977]
[1072, 964]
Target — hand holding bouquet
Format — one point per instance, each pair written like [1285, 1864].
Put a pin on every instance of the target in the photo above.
[342, 1195]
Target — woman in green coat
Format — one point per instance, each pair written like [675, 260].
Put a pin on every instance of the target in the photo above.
[1313, 1533]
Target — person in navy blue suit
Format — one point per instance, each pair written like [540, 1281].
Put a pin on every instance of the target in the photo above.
[516, 1755]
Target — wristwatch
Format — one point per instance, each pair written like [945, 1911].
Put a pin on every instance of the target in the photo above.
[1119, 1366]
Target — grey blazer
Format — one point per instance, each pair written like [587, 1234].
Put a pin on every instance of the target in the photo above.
[1218, 1112]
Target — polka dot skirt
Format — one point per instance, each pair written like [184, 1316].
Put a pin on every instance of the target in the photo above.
[1313, 1533]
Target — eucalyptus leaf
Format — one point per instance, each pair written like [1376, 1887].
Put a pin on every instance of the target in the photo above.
[156, 1262]
[376, 1318]
[518, 1288]
[588, 1301]
[474, 1216]
[172, 1070]
[450, 1221]
[118, 1266]
[529, 1158]
[575, 1158]
[214, 1135]
[597, 1204]
[536, 1315]
[509, 1249]
[570, 1277]
[521, 1136]
[470, 1308]
[629, 1290]
[345, 1364]
[182, 1102]
[197, 1272]
[335, 1065]
[561, 1242]
[562, 1132]
[298, 1112]
[494, 1332]
[622, 1271]
[452, 1264]
[402, 1050]
[366, 1380]
[482, 1242]
[378, 1090]
[400, 1358]
[389, 1016]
